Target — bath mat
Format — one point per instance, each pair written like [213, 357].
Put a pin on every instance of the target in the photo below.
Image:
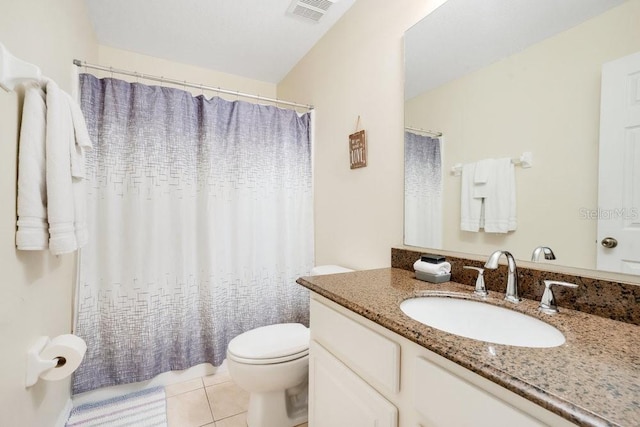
[145, 408]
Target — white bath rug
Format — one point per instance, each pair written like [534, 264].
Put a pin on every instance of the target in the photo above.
[145, 408]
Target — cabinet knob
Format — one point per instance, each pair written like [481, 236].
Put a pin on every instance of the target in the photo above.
[609, 242]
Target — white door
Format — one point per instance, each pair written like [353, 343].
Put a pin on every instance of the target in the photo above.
[340, 398]
[619, 176]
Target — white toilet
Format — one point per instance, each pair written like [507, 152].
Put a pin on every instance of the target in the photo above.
[272, 364]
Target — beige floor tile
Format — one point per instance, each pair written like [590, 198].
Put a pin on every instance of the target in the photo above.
[227, 399]
[183, 387]
[239, 420]
[190, 409]
[217, 378]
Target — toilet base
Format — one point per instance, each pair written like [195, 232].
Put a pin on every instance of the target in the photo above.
[278, 408]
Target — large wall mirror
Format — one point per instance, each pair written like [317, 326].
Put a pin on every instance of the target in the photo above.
[498, 78]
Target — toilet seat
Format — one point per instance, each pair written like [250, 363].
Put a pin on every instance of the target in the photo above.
[270, 344]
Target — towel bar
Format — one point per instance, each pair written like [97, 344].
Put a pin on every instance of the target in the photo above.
[524, 161]
[14, 71]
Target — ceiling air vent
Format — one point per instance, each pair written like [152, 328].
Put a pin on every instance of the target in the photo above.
[310, 9]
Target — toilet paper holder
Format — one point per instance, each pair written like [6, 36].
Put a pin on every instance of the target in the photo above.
[36, 365]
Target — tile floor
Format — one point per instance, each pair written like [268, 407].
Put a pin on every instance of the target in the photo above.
[212, 401]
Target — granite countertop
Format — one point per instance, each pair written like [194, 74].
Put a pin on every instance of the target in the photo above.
[592, 380]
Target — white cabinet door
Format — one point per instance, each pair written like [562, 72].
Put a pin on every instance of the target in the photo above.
[340, 398]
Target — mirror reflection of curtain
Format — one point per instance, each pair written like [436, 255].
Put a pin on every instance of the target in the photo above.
[422, 191]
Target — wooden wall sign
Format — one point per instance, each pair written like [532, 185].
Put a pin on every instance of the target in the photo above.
[358, 149]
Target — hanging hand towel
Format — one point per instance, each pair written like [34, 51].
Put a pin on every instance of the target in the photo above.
[500, 202]
[470, 207]
[78, 144]
[33, 229]
[481, 178]
[60, 199]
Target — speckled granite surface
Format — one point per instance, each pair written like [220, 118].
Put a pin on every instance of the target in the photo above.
[617, 301]
[592, 380]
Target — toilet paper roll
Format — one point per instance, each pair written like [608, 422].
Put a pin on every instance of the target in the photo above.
[68, 350]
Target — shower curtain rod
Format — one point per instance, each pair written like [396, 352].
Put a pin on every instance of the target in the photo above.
[184, 83]
[430, 132]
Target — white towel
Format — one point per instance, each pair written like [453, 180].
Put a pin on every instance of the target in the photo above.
[78, 146]
[60, 199]
[500, 202]
[51, 188]
[33, 233]
[427, 267]
[470, 207]
[481, 178]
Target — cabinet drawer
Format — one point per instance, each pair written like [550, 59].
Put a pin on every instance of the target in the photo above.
[369, 354]
[444, 400]
[338, 397]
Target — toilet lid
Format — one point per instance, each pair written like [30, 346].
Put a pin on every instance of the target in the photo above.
[278, 341]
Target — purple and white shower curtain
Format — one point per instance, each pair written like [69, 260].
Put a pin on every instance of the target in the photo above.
[422, 191]
[200, 216]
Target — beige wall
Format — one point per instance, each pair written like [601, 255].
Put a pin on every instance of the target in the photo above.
[356, 69]
[131, 61]
[546, 100]
[36, 288]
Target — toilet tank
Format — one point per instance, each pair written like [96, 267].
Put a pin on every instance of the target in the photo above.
[329, 269]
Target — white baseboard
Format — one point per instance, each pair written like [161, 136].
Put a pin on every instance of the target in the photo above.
[64, 415]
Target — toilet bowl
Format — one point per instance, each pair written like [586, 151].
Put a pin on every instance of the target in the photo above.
[271, 363]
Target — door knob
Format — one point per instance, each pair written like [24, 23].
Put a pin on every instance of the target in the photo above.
[609, 242]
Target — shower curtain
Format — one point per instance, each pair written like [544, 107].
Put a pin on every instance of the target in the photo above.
[422, 191]
[200, 217]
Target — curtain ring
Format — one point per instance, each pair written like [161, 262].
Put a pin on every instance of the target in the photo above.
[201, 90]
[111, 71]
[137, 77]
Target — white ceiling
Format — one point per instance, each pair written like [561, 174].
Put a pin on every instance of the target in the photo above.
[462, 36]
[250, 38]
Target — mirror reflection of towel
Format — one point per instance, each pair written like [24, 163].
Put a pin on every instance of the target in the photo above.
[500, 202]
[470, 207]
[488, 196]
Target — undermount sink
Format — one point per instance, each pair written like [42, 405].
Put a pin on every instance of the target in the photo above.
[481, 321]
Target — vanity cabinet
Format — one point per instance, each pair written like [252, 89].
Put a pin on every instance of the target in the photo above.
[361, 374]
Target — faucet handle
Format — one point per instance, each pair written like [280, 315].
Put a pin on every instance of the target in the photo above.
[480, 287]
[548, 301]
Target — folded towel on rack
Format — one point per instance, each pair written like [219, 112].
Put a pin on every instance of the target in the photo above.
[481, 178]
[470, 207]
[51, 172]
[33, 229]
[500, 201]
[61, 205]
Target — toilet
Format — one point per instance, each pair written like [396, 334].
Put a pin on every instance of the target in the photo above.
[272, 364]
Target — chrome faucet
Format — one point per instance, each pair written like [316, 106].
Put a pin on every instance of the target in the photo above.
[548, 253]
[512, 278]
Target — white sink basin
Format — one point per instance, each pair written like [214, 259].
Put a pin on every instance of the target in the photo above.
[482, 321]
